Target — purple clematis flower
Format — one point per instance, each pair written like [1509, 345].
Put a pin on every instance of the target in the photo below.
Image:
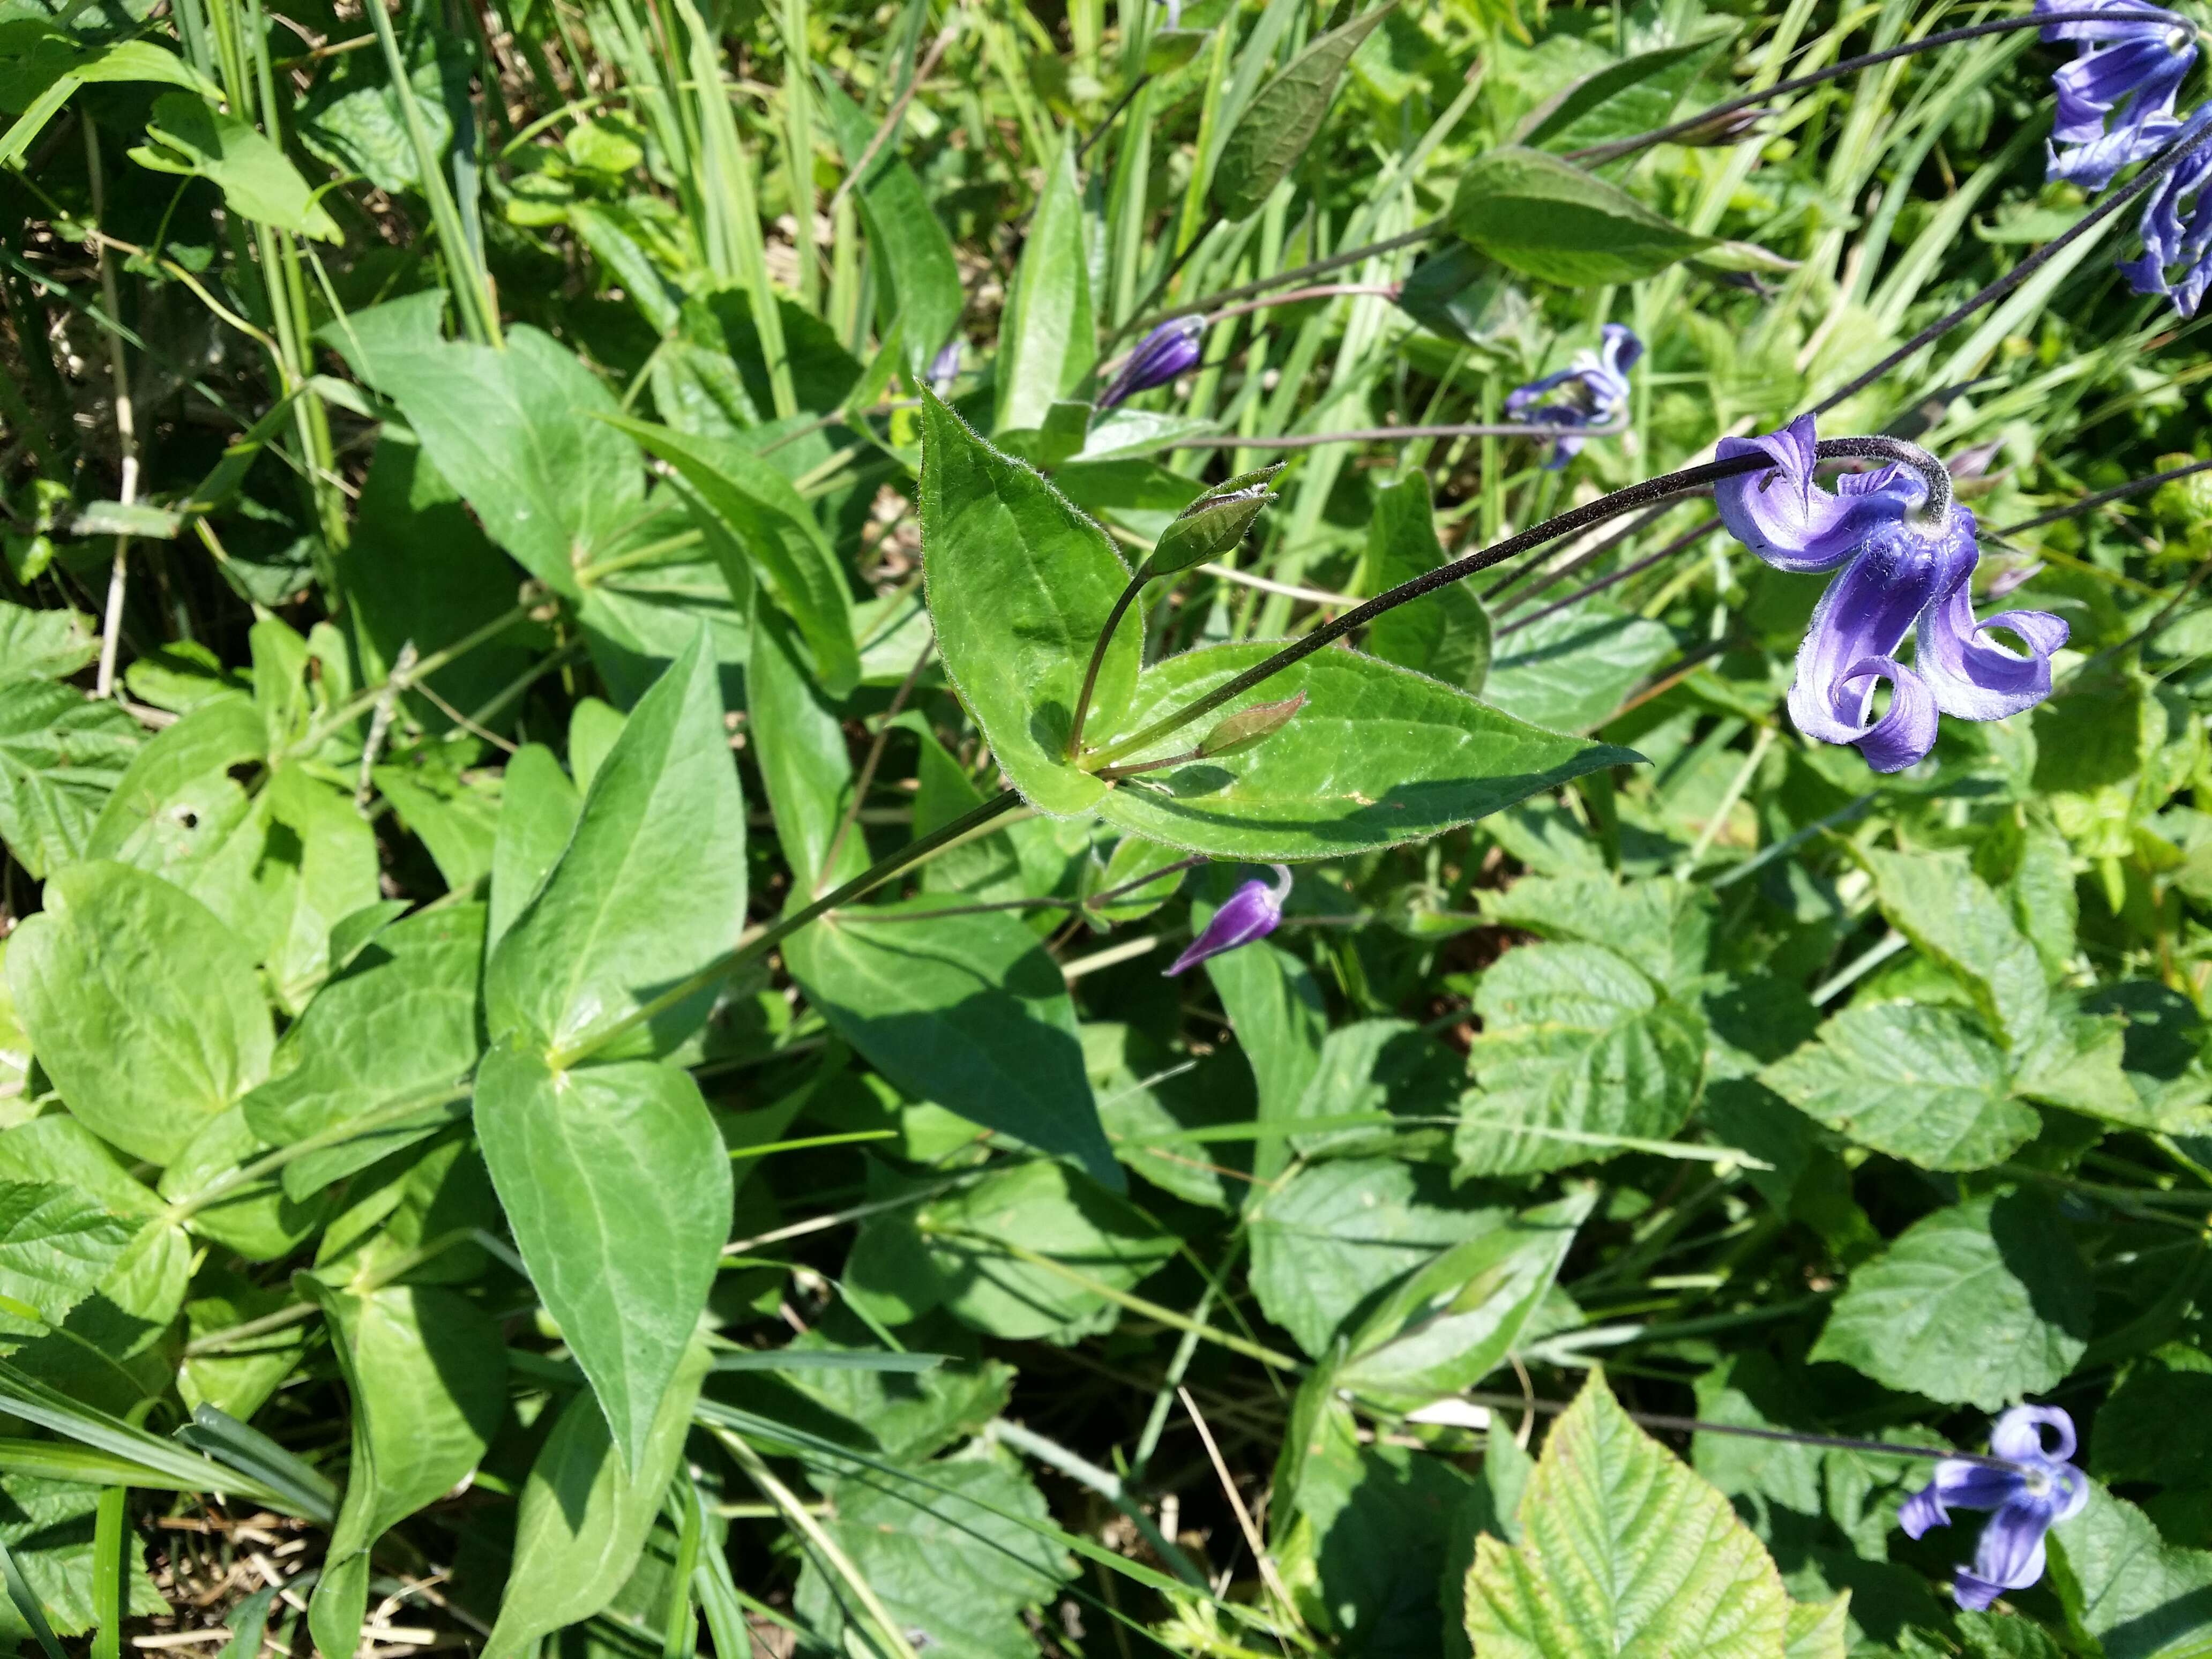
[1169, 350]
[2043, 1490]
[1591, 389]
[2131, 61]
[945, 368]
[1906, 562]
[2169, 238]
[1250, 912]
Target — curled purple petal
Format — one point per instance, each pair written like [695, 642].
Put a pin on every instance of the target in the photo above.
[1590, 391]
[1970, 674]
[1785, 518]
[1973, 1594]
[2019, 1433]
[2115, 100]
[1956, 1483]
[1250, 912]
[2040, 1490]
[1169, 350]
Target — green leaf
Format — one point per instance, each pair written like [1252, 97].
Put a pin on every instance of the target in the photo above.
[760, 510]
[924, 294]
[56, 1245]
[1918, 1082]
[46, 1543]
[1548, 219]
[1633, 95]
[143, 1056]
[537, 812]
[583, 1518]
[951, 1560]
[1936, 900]
[42, 67]
[511, 430]
[1020, 584]
[259, 1220]
[616, 1187]
[1329, 1240]
[1047, 340]
[1624, 1552]
[1663, 925]
[1275, 1007]
[1046, 1208]
[1378, 1068]
[1379, 756]
[1277, 127]
[176, 802]
[805, 767]
[378, 1049]
[188, 136]
[966, 1010]
[908, 1415]
[61, 756]
[1446, 634]
[1979, 1304]
[615, 923]
[44, 645]
[1577, 1055]
[1213, 523]
[1454, 1321]
[427, 1370]
[1571, 670]
[353, 120]
[2132, 1593]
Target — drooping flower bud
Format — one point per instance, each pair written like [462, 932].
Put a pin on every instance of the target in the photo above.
[1213, 524]
[945, 368]
[1250, 912]
[1247, 726]
[1169, 350]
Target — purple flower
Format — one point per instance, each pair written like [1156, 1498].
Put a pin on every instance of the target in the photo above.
[1906, 566]
[1250, 912]
[2029, 1498]
[1591, 389]
[2135, 55]
[1169, 350]
[2168, 239]
[945, 368]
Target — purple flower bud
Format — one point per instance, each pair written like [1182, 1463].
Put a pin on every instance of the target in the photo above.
[945, 368]
[1591, 390]
[2040, 1490]
[1901, 569]
[1169, 350]
[1250, 912]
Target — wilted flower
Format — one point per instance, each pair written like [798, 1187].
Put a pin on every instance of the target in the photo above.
[1250, 912]
[2135, 56]
[2169, 241]
[1591, 389]
[1907, 561]
[1169, 350]
[2043, 1489]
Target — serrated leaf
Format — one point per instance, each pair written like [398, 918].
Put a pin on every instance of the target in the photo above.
[1920, 1083]
[1279, 125]
[2135, 1595]
[1979, 1304]
[1379, 756]
[1936, 900]
[1571, 670]
[1623, 1552]
[616, 1186]
[1020, 583]
[1548, 219]
[61, 757]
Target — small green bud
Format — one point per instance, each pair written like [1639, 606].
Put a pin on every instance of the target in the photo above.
[1213, 524]
[1247, 726]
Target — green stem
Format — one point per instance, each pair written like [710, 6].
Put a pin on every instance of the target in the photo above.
[769, 937]
[363, 700]
[247, 1174]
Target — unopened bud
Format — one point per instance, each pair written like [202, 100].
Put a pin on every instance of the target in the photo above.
[1249, 725]
[1724, 129]
[1213, 524]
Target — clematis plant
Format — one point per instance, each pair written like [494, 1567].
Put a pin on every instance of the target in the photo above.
[2040, 1490]
[2130, 64]
[1591, 390]
[1169, 350]
[1905, 551]
[1252, 912]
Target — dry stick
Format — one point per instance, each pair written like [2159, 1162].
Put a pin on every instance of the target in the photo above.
[1252, 1538]
[875, 754]
[945, 37]
[126, 433]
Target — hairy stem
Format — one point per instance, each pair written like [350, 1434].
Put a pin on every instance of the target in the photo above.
[1098, 657]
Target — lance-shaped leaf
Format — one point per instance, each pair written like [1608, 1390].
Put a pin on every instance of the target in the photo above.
[1213, 524]
[1248, 727]
[1277, 126]
[1624, 1552]
[1633, 95]
[1048, 340]
[1020, 583]
[1548, 219]
[923, 294]
[1379, 756]
[617, 1185]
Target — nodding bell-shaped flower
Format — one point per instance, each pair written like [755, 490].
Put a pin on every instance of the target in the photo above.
[1905, 551]
[1592, 389]
[1169, 350]
[2041, 1490]
[1250, 912]
[2135, 55]
[2174, 235]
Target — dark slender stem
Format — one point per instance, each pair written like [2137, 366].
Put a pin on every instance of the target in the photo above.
[769, 937]
[875, 756]
[1629, 146]
[1098, 657]
[1297, 274]
[1552, 577]
[2159, 165]
[1387, 433]
[2090, 503]
[1603, 583]
[1111, 116]
[1650, 492]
